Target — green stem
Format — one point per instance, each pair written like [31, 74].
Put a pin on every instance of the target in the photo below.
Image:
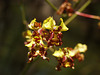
[51, 5]
[27, 66]
[23, 15]
[80, 10]
[63, 15]
[76, 4]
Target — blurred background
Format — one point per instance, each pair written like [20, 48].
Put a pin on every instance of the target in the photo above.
[13, 53]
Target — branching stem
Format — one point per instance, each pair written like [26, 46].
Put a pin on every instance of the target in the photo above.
[80, 10]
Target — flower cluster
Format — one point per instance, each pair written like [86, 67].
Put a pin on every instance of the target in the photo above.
[42, 36]
[54, 31]
[48, 32]
[66, 55]
[34, 41]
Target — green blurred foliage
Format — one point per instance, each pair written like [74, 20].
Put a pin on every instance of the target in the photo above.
[13, 53]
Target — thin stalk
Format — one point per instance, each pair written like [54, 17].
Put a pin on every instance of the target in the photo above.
[27, 66]
[51, 5]
[80, 10]
[87, 15]
[23, 14]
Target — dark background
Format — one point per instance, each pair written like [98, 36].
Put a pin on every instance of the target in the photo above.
[13, 53]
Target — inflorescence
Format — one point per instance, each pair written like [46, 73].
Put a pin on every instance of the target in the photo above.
[41, 37]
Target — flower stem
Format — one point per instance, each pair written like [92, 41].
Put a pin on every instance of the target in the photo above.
[87, 15]
[80, 10]
[63, 15]
[27, 66]
[51, 5]
[23, 14]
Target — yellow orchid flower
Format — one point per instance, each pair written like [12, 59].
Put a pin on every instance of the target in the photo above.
[72, 53]
[64, 28]
[58, 53]
[31, 25]
[78, 48]
[81, 47]
[48, 23]
[27, 34]
[31, 42]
